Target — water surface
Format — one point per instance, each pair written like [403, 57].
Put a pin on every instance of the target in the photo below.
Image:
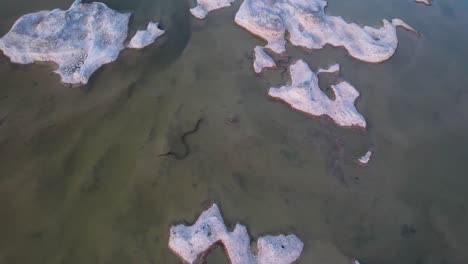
[81, 180]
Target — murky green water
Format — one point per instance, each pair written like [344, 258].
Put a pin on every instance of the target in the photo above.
[81, 180]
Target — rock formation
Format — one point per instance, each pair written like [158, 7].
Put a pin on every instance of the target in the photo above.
[146, 37]
[426, 2]
[262, 60]
[332, 69]
[80, 39]
[305, 95]
[193, 243]
[205, 6]
[364, 160]
[308, 26]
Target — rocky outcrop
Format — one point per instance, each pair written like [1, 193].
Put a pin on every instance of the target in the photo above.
[146, 37]
[80, 39]
[305, 95]
[308, 26]
[205, 6]
[193, 243]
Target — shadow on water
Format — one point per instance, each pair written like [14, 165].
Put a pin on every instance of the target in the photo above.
[173, 17]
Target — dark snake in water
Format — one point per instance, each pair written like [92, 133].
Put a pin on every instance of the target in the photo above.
[184, 142]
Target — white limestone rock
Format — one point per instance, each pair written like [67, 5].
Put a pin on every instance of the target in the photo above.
[192, 243]
[205, 6]
[304, 94]
[80, 39]
[364, 160]
[146, 37]
[426, 2]
[310, 27]
[262, 60]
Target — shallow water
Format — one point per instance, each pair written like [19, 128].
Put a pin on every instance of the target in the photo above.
[81, 180]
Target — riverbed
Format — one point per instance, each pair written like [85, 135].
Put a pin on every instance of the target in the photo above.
[82, 179]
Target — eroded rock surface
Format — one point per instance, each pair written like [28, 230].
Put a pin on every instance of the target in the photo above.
[262, 60]
[305, 95]
[205, 6]
[146, 37]
[308, 26]
[80, 39]
[192, 243]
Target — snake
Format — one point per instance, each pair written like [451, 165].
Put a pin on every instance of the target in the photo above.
[183, 138]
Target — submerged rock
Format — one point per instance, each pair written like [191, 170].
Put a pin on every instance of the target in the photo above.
[146, 37]
[364, 160]
[192, 243]
[304, 94]
[205, 6]
[262, 60]
[310, 27]
[80, 39]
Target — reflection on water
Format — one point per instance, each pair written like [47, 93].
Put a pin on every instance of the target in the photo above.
[81, 180]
